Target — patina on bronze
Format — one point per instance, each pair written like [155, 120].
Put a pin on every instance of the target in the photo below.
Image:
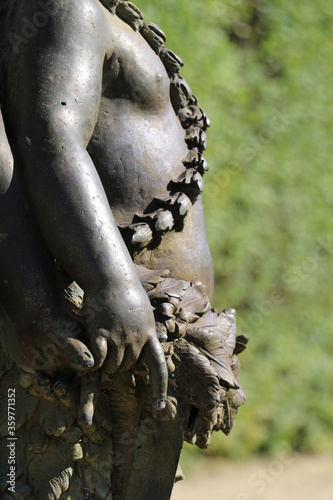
[108, 336]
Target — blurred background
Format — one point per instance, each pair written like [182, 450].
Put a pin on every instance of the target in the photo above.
[263, 72]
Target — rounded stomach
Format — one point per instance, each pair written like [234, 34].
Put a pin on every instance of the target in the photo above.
[136, 154]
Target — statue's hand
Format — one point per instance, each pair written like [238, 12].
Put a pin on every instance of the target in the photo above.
[120, 327]
[49, 344]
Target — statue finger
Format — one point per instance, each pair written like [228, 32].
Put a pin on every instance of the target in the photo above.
[80, 358]
[129, 359]
[90, 386]
[99, 348]
[114, 357]
[154, 359]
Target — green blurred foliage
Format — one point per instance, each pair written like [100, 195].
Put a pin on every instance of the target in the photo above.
[263, 73]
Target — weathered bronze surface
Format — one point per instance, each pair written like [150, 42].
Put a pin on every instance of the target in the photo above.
[107, 332]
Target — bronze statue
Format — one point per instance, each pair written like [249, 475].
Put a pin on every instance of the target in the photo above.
[107, 335]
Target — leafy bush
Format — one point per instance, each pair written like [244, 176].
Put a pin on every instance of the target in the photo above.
[262, 72]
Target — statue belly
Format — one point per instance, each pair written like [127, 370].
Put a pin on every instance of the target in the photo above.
[136, 154]
[184, 253]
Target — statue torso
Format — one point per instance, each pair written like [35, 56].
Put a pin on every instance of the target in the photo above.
[138, 144]
[138, 147]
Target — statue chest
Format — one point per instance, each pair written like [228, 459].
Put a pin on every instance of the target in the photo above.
[133, 71]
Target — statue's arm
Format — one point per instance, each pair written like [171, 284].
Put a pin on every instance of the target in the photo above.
[45, 334]
[54, 86]
[59, 84]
